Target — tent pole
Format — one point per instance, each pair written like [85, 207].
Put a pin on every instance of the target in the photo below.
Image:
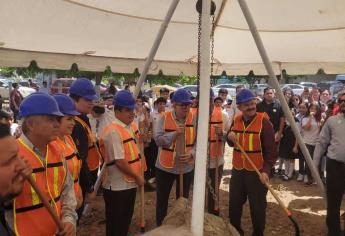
[155, 46]
[197, 224]
[274, 82]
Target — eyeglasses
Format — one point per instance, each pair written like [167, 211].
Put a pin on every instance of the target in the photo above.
[340, 101]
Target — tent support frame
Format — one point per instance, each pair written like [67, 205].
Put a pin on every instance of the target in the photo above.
[274, 82]
[155, 46]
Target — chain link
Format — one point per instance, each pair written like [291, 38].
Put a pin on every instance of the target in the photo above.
[212, 46]
[199, 47]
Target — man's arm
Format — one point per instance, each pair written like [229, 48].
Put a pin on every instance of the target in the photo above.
[269, 148]
[324, 141]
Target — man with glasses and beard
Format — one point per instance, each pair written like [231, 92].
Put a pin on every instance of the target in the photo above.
[13, 172]
[332, 143]
[175, 130]
[253, 131]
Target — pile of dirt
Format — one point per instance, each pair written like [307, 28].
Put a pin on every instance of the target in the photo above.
[180, 215]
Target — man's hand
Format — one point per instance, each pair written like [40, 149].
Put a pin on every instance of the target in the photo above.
[295, 150]
[68, 229]
[219, 131]
[139, 180]
[186, 158]
[180, 130]
[277, 137]
[232, 137]
[27, 169]
[264, 178]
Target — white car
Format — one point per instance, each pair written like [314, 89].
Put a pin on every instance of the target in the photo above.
[192, 88]
[4, 89]
[296, 88]
[230, 87]
[258, 89]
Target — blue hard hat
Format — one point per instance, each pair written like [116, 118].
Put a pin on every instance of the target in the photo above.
[124, 98]
[83, 88]
[66, 104]
[39, 104]
[182, 96]
[245, 95]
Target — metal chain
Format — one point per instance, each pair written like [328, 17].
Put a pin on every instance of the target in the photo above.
[199, 47]
[212, 45]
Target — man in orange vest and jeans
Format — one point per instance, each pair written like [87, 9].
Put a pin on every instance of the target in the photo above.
[28, 216]
[254, 132]
[123, 165]
[169, 132]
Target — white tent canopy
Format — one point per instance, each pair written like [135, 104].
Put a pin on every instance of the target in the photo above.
[300, 36]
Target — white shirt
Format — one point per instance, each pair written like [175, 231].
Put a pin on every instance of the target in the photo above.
[310, 136]
[114, 179]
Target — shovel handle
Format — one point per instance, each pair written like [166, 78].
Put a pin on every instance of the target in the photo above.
[46, 204]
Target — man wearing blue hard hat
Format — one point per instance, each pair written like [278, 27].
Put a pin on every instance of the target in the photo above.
[83, 93]
[175, 136]
[123, 165]
[254, 132]
[39, 112]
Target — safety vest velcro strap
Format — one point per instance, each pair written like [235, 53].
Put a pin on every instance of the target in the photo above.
[169, 130]
[76, 180]
[215, 122]
[133, 161]
[70, 156]
[36, 170]
[52, 165]
[111, 163]
[128, 140]
[92, 146]
[190, 145]
[247, 132]
[190, 126]
[34, 207]
[237, 150]
[167, 149]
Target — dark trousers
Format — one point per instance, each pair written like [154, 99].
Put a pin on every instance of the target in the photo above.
[119, 208]
[93, 176]
[246, 184]
[302, 163]
[210, 197]
[151, 153]
[165, 182]
[335, 182]
[311, 149]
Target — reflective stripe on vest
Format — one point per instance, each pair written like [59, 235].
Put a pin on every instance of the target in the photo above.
[216, 120]
[168, 154]
[30, 216]
[93, 156]
[249, 139]
[131, 151]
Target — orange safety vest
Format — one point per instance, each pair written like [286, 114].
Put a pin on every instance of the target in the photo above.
[249, 138]
[215, 120]
[30, 216]
[93, 155]
[168, 154]
[72, 160]
[194, 110]
[131, 151]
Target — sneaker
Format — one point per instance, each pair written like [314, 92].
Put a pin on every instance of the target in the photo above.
[300, 178]
[286, 178]
[306, 180]
[152, 180]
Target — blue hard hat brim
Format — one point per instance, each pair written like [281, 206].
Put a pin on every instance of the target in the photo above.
[57, 113]
[71, 113]
[185, 101]
[90, 97]
[245, 100]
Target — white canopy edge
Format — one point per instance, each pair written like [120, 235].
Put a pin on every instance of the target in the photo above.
[60, 61]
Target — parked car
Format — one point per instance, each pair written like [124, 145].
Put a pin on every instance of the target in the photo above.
[5, 89]
[310, 85]
[258, 89]
[296, 88]
[192, 88]
[328, 85]
[65, 84]
[230, 87]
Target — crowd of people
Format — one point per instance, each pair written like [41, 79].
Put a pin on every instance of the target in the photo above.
[65, 142]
